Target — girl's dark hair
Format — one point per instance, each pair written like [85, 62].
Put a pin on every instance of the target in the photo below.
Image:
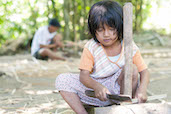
[106, 12]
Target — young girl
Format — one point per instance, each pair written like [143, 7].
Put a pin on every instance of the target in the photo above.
[102, 62]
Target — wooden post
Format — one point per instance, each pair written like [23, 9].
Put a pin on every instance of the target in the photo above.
[144, 108]
[127, 34]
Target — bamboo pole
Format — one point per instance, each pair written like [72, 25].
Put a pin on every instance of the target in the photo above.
[127, 34]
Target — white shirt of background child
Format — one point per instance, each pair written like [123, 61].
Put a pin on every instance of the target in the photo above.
[42, 36]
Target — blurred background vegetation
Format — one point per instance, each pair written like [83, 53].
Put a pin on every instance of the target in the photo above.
[19, 19]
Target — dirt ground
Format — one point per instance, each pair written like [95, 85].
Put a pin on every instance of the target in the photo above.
[27, 84]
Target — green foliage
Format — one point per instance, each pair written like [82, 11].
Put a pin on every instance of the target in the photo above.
[21, 18]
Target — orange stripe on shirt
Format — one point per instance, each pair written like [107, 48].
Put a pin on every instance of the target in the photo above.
[87, 60]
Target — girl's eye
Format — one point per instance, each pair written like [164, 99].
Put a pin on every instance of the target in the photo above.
[99, 30]
[112, 29]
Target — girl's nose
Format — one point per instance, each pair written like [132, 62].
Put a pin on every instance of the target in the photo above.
[106, 32]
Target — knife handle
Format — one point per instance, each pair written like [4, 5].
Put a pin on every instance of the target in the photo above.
[91, 93]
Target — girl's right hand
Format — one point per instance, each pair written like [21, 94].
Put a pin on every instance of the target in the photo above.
[101, 91]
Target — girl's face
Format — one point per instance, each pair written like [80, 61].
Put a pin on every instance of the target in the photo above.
[107, 35]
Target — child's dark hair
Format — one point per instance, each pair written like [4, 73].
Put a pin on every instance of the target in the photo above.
[54, 22]
[106, 12]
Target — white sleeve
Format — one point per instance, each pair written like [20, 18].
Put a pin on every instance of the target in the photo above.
[39, 37]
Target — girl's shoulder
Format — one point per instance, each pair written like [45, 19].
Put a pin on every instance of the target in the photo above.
[91, 43]
[135, 48]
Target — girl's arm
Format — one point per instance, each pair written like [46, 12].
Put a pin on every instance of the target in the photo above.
[141, 93]
[100, 90]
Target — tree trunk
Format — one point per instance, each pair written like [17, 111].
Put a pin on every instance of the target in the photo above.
[84, 20]
[141, 17]
[54, 9]
[48, 9]
[34, 14]
[66, 19]
[136, 16]
[73, 23]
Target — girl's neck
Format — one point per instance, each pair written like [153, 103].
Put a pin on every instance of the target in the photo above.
[114, 49]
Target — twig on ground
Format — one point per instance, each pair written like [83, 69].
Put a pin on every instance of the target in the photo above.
[151, 93]
[13, 91]
[19, 80]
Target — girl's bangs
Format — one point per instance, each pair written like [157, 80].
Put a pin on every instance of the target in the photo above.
[101, 21]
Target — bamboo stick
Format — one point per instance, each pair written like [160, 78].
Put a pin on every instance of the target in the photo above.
[127, 34]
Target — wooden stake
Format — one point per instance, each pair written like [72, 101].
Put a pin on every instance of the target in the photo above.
[127, 34]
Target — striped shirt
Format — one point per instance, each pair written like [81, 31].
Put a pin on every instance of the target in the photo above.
[95, 60]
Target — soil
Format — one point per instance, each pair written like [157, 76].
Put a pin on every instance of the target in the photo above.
[27, 84]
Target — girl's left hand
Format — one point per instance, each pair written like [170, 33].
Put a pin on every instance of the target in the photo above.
[141, 96]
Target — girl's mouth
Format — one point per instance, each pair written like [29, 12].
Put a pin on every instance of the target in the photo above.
[106, 40]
